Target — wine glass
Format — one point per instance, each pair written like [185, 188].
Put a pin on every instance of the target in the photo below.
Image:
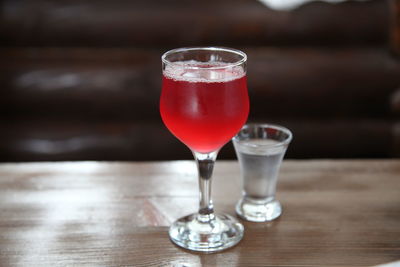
[204, 103]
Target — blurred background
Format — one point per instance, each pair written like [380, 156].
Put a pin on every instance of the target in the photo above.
[80, 79]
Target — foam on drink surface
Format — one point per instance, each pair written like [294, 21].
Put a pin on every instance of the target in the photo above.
[196, 71]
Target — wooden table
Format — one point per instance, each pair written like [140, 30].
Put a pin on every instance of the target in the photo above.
[336, 213]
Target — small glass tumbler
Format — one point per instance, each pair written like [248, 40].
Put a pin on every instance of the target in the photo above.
[260, 149]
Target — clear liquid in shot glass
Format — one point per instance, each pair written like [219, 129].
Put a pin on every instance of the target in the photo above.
[260, 166]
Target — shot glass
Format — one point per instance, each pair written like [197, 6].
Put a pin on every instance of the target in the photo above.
[260, 149]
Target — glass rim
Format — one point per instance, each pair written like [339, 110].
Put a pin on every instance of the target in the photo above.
[205, 48]
[264, 126]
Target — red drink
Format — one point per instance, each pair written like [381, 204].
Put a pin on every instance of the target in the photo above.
[203, 107]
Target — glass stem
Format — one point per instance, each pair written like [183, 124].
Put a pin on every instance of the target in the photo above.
[205, 164]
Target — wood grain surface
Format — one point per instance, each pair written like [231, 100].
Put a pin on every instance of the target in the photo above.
[115, 95]
[45, 82]
[176, 23]
[336, 213]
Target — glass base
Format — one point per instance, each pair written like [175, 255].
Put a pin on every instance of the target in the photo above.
[258, 210]
[199, 233]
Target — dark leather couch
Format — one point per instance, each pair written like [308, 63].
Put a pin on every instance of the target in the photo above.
[80, 80]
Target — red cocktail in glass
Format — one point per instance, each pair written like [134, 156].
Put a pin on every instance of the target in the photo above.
[205, 114]
[204, 103]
